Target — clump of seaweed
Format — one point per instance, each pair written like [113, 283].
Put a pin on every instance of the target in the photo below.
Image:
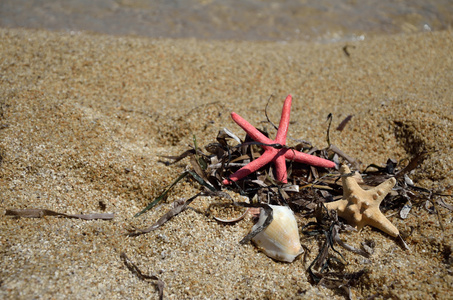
[305, 190]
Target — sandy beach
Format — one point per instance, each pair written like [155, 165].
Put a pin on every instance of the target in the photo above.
[85, 119]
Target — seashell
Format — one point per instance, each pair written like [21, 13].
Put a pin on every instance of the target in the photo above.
[280, 240]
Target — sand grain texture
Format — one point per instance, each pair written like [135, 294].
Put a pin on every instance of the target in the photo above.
[85, 117]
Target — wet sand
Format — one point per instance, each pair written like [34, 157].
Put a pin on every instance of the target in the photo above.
[257, 20]
[84, 119]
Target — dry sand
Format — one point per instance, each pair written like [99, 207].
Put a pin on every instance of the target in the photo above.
[85, 117]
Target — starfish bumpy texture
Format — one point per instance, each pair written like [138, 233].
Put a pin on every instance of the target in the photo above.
[361, 207]
[276, 155]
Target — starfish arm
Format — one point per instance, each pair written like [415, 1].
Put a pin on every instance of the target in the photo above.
[254, 133]
[349, 183]
[251, 167]
[338, 205]
[379, 221]
[379, 192]
[284, 122]
[308, 159]
[280, 167]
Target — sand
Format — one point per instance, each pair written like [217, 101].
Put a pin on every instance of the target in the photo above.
[84, 119]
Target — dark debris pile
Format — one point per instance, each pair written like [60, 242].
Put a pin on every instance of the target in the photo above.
[307, 189]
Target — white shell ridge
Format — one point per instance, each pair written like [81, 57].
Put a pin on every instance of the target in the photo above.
[280, 240]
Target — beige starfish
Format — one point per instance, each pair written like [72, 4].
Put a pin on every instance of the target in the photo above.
[361, 207]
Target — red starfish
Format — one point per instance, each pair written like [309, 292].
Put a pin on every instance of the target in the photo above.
[272, 154]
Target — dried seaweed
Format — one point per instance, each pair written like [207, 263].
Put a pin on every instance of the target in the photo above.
[354, 162]
[200, 162]
[234, 220]
[329, 119]
[389, 168]
[407, 191]
[39, 213]
[265, 113]
[227, 221]
[161, 196]
[339, 241]
[164, 194]
[179, 157]
[442, 203]
[267, 210]
[342, 281]
[343, 123]
[328, 226]
[102, 205]
[135, 270]
[346, 51]
[178, 207]
[413, 163]
[269, 217]
[436, 210]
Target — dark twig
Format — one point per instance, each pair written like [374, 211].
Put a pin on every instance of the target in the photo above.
[134, 269]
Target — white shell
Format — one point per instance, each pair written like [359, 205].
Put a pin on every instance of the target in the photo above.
[280, 240]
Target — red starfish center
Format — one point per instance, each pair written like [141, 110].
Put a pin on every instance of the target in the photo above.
[276, 156]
